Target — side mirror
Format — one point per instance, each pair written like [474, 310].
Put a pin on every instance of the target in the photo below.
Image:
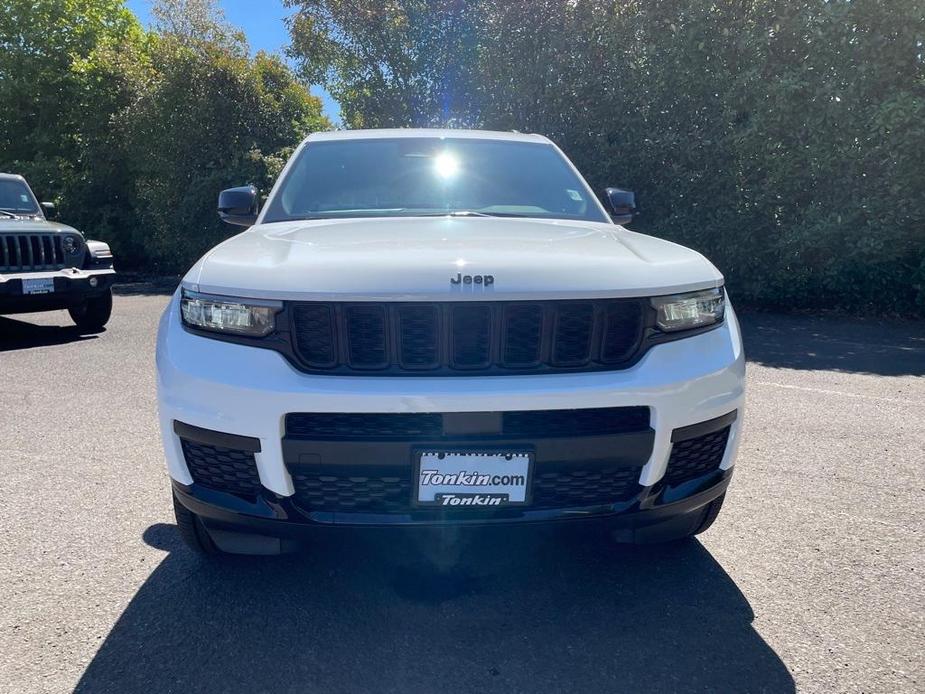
[48, 208]
[622, 205]
[238, 206]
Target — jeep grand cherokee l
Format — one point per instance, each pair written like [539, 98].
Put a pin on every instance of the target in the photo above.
[426, 327]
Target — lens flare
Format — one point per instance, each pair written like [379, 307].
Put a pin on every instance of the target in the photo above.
[446, 165]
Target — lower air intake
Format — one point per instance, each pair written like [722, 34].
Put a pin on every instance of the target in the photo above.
[696, 457]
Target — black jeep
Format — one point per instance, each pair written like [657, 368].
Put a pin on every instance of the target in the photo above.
[45, 266]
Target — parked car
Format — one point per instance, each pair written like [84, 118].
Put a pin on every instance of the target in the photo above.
[426, 327]
[46, 266]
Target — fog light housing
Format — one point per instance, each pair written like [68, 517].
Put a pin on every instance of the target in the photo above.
[94, 281]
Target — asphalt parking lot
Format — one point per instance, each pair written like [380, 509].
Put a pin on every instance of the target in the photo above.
[811, 579]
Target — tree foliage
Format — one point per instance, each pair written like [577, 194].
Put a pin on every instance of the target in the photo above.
[134, 132]
[783, 138]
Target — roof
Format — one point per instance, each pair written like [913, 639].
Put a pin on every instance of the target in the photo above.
[424, 132]
[10, 177]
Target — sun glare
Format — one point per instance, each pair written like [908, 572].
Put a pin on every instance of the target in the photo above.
[446, 165]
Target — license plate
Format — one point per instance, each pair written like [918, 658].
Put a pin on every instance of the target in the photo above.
[38, 286]
[454, 479]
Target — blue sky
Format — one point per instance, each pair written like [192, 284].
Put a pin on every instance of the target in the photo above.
[262, 22]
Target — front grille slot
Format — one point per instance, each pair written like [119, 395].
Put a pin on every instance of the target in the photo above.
[471, 336]
[354, 426]
[367, 336]
[623, 326]
[314, 335]
[519, 424]
[223, 469]
[522, 341]
[30, 252]
[584, 487]
[598, 421]
[696, 457]
[338, 491]
[418, 336]
[464, 337]
[572, 337]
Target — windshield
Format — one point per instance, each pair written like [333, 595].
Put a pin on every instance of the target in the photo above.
[16, 197]
[429, 176]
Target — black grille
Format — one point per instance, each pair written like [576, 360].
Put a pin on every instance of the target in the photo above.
[224, 469]
[354, 493]
[25, 252]
[367, 336]
[696, 457]
[336, 491]
[310, 425]
[584, 487]
[418, 346]
[596, 421]
[523, 335]
[526, 424]
[573, 333]
[465, 337]
[314, 326]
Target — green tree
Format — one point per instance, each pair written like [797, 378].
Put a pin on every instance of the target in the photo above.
[210, 117]
[51, 95]
[783, 139]
[134, 132]
[393, 64]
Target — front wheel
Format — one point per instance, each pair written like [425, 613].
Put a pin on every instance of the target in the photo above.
[93, 314]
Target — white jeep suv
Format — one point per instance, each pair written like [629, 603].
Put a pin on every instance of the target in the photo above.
[432, 327]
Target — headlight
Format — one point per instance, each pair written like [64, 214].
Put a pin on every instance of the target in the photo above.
[225, 314]
[686, 311]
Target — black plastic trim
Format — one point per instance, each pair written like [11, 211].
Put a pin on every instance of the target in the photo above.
[279, 517]
[216, 438]
[701, 428]
[630, 449]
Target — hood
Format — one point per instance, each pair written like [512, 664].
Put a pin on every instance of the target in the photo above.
[33, 226]
[415, 258]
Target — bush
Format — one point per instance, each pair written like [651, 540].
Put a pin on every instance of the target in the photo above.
[134, 133]
[781, 138]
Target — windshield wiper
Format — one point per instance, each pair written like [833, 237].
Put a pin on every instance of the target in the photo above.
[9, 214]
[369, 213]
[466, 213]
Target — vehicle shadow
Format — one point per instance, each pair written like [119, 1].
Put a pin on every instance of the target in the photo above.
[855, 345]
[518, 609]
[17, 334]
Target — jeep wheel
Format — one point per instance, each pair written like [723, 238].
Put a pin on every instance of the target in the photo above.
[93, 313]
[192, 530]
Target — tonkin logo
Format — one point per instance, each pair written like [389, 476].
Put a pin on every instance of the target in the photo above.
[485, 280]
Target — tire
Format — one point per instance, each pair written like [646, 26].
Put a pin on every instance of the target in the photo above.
[93, 313]
[193, 531]
[711, 514]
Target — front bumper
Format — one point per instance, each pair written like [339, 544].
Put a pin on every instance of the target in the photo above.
[248, 392]
[71, 287]
[649, 517]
